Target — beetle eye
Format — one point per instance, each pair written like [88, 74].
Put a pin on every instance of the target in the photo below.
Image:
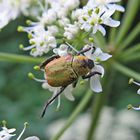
[90, 63]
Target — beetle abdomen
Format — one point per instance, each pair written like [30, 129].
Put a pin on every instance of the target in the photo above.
[59, 72]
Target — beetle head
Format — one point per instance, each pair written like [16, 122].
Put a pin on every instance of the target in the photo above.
[89, 63]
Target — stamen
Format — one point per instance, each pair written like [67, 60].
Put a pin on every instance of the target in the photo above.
[72, 47]
[132, 107]
[134, 82]
[28, 48]
[4, 123]
[59, 102]
[36, 68]
[31, 76]
[25, 126]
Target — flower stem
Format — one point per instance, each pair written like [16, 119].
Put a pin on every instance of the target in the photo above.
[131, 51]
[18, 58]
[126, 71]
[135, 57]
[98, 104]
[131, 37]
[132, 7]
[75, 113]
[113, 31]
[99, 40]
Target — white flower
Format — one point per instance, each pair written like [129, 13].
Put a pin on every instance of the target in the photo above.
[71, 4]
[92, 19]
[71, 30]
[108, 4]
[76, 14]
[6, 134]
[41, 40]
[138, 92]
[97, 56]
[62, 50]
[53, 30]
[32, 138]
[48, 17]
[63, 22]
[10, 9]
[62, 7]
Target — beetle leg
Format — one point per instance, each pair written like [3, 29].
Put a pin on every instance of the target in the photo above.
[51, 100]
[45, 62]
[83, 51]
[91, 74]
[74, 83]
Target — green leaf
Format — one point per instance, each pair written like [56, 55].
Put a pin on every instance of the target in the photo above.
[131, 51]
[113, 31]
[19, 58]
[131, 10]
[132, 35]
[126, 71]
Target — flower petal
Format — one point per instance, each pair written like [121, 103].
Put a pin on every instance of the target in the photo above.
[116, 7]
[104, 56]
[138, 92]
[11, 130]
[102, 30]
[99, 68]
[95, 84]
[112, 23]
[136, 108]
[68, 93]
[32, 138]
[107, 14]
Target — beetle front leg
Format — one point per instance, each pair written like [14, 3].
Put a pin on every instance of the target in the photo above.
[74, 83]
[51, 100]
[91, 74]
[45, 62]
[83, 51]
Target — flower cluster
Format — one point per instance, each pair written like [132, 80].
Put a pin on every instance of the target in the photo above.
[7, 134]
[10, 9]
[66, 24]
[97, 13]
[131, 81]
[65, 20]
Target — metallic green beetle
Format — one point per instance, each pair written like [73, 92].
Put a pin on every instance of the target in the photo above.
[62, 71]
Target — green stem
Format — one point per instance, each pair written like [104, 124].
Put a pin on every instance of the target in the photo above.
[18, 58]
[132, 7]
[96, 110]
[99, 40]
[135, 57]
[131, 37]
[98, 105]
[113, 31]
[75, 113]
[130, 52]
[126, 71]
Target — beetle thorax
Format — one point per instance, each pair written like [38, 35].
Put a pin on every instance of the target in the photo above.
[82, 65]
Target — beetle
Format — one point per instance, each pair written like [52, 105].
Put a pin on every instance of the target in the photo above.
[65, 70]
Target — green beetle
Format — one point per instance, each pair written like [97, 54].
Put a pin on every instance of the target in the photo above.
[62, 71]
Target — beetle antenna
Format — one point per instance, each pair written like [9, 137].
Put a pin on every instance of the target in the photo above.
[51, 100]
[72, 47]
